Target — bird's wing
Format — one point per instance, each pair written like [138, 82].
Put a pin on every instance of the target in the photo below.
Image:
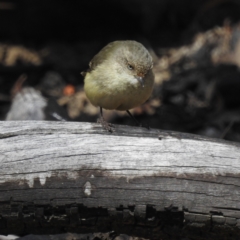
[100, 57]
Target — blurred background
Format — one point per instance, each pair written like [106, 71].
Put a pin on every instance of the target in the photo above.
[44, 45]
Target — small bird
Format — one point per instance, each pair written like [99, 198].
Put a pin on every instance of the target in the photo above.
[119, 77]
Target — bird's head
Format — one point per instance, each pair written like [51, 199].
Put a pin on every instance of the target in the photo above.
[135, 60]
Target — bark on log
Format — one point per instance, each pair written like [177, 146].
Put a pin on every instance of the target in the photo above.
[63, 176]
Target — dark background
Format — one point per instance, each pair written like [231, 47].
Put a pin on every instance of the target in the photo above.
[161, 22]
[73, 31]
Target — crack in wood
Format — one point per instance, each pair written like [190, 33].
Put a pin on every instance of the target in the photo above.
[2, 136]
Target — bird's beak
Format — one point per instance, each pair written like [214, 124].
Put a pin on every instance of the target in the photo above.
[141, 80]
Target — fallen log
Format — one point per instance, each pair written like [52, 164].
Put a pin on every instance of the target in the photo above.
[58, 177]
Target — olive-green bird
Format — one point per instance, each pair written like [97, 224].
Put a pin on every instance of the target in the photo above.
[120, 77]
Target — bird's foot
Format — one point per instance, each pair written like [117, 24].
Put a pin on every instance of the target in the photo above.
[139, 124]
[145, 125]
[107, 126]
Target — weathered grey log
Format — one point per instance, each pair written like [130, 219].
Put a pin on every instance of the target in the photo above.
[76, 177]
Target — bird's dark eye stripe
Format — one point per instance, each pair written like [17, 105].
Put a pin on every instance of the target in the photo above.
[130, 67]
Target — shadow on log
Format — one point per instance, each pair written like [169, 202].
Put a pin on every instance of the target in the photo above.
[58, 177]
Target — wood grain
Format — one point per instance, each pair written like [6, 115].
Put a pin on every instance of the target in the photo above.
[76, 176]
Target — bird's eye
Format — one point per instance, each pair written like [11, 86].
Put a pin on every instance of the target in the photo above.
[130, 67]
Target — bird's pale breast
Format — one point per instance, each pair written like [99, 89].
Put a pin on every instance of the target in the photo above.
[114, 91]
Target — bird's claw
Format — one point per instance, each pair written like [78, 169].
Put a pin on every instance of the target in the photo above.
[107, 126]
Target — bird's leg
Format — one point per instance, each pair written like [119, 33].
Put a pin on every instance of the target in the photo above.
[136, 121]
[107, 126]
